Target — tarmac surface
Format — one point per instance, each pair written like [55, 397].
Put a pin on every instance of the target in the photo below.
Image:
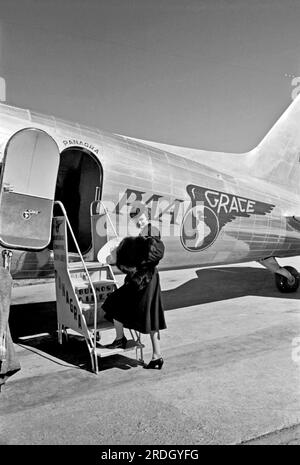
[231, 372]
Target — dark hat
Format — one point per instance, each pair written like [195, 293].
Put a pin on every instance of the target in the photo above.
[137, 210]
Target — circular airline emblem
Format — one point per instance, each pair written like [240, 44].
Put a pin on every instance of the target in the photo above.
[199, 228]
[26, 215]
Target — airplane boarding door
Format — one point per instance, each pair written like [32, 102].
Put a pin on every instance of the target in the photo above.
[28, 181]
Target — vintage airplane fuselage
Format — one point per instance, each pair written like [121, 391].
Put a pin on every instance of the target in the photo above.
[210, 212]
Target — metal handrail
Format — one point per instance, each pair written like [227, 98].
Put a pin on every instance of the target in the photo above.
[105, 211]
[60, 204]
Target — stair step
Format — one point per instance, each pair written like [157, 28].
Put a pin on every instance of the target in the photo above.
[88, 311]
[86, 296]
[79, 266]
[102, 351]
[86, 306]
[102, 326]
[83, 284]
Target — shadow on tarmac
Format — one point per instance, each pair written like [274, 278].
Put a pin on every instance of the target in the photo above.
[74, 353]
[210, 285]
[216, 284]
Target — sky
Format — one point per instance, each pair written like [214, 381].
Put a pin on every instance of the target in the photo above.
[207, 74]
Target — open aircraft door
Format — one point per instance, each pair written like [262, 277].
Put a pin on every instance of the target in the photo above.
[28, 182]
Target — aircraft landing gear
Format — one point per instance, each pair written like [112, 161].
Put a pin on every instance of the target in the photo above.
[286, 277]
[287, 285]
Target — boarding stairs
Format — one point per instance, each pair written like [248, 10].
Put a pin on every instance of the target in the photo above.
[81, 288]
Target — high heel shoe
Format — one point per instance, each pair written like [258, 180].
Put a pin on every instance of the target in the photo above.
[156, 364]
[118, 343]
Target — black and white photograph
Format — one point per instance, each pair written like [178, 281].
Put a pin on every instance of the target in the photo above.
[149, 226]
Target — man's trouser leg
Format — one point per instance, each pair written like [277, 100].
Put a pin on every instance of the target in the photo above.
[9, 363]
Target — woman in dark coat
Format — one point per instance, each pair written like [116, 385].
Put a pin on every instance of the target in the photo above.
[137, 304]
